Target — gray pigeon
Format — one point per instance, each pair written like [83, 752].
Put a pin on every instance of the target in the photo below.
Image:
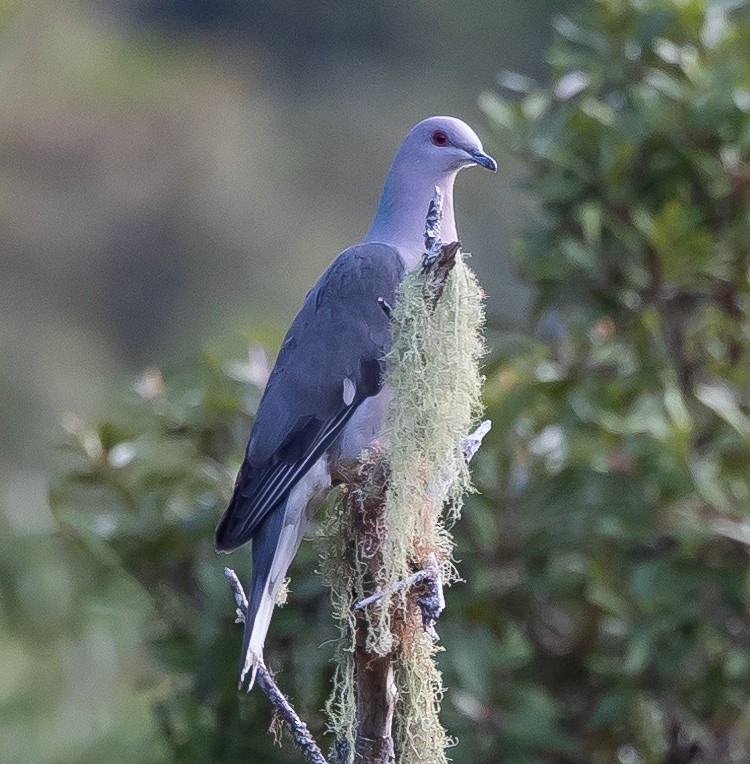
[325, 401]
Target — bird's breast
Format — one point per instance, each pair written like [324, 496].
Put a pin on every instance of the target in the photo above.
[364, 429]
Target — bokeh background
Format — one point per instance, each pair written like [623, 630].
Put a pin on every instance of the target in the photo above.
[175, 175]
[176, 171]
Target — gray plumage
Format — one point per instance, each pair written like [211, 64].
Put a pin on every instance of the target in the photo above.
[335, 343]
[324, 402]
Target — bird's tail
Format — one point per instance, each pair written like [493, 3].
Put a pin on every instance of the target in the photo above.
[275, 542]
[274, 546]
[263, 590]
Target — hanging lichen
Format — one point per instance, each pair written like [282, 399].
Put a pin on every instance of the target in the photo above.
[349, 543]
[340, 573]
[433, 371]
[420, 737]
[414, 496]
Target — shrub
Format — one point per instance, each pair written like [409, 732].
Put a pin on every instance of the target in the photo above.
[623, 434]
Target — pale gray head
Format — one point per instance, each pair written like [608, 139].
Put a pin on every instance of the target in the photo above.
[443, 145]
[431, 155]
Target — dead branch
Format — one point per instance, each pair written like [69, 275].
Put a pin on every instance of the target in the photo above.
[282, 707]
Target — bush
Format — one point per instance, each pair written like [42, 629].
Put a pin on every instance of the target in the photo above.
[623, 433]
[144, 495]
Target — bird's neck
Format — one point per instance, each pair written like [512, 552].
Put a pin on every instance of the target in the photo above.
[400, 218]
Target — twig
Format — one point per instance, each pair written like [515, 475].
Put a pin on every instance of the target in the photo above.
[437, 263]
[301, 735]
[414, 578]
[434, 220]
[469, 445]
[439, 257]
[432, 602]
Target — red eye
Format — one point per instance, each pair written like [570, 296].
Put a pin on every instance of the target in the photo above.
[439, 138]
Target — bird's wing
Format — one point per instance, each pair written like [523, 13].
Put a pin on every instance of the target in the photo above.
[329, 363]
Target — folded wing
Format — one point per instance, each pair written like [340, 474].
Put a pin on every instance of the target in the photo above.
[329, 364]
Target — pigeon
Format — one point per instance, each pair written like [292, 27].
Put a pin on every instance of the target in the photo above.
[325, 401]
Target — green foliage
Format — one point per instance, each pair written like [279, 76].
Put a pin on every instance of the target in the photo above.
[144, 495]
[622, 427]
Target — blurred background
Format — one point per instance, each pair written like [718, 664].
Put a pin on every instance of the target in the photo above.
[177, 171]
[176, 174]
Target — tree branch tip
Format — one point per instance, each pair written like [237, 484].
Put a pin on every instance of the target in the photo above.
[471, 443]
[434, 219]
[283, 709]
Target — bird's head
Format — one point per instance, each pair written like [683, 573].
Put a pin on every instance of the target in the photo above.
[431, 155]
[445, 145]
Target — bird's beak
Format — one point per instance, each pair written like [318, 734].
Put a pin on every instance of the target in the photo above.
[483, 160]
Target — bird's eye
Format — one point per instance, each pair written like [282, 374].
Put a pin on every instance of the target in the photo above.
[439, 138]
